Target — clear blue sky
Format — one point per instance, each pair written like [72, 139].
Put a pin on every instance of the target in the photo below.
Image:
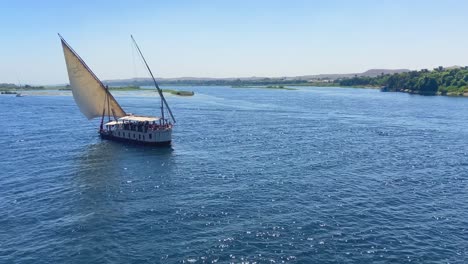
[229, 38]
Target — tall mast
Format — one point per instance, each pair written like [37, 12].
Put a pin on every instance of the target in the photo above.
[163, 100]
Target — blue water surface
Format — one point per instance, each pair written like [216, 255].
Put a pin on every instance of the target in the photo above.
[316, 175]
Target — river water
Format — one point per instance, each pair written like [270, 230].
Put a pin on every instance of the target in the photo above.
[316, 175]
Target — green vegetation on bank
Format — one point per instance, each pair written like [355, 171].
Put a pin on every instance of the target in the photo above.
[112, 88]
[124, 88]
[243, 86]
[278, 87]
[218, 82]
[317, 84]
[440, 81]
[135, 88]
[8, 88]
[14, 87]
[450, 81]
[8, 92]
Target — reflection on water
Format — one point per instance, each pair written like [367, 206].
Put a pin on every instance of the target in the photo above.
[108, 158]
[109, 175]
[105, 166]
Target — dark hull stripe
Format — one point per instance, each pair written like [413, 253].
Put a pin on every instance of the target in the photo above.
[133, 141]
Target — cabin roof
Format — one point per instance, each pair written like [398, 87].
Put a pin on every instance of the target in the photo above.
[139, 118]
[112, 123]
[132, 118]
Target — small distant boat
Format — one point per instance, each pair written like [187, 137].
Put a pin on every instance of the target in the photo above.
[185, 93]
[94, 100]
[19, 95]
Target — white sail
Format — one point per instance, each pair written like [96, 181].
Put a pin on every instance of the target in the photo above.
[88, 91]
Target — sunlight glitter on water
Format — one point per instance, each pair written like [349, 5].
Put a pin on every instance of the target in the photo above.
[326, 175]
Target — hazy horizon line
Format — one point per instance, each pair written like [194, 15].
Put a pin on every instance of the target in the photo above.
[241, 77]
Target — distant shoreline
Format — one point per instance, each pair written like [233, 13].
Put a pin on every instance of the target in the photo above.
[275, 87]
[16, 90]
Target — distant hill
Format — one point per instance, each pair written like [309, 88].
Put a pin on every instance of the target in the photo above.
[377, 72]
[249, 80]
[368, 73]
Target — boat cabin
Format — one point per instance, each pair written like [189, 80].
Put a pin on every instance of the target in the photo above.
[145, 129]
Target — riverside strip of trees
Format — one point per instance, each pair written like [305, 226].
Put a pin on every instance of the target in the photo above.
[450, 81]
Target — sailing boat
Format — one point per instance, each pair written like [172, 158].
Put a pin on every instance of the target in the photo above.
[94, 100]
